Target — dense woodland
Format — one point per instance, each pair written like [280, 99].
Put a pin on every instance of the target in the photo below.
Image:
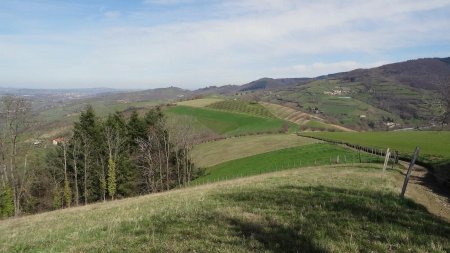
[101, 159]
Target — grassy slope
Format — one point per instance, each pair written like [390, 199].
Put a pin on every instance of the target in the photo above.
[301, 156]
[345, 209]
[228, 123]
[212, 153]
[315, 124]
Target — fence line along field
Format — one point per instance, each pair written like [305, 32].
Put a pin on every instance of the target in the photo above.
[321, 209]
[215, 152]
[288, 158]
[434, 145]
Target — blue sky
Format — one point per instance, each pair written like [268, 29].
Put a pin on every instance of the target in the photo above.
[192, 44]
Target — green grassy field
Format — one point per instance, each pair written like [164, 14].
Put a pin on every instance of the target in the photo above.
[239, 106]
[434, 146]
[323, 209]
[301, 156]
[228, 123]
[215, 152]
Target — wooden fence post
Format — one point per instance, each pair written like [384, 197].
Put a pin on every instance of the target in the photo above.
[408, 174]
[386, 159]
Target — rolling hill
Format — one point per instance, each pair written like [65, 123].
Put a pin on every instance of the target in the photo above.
[397, 95]
[404, 94]
[427, 73]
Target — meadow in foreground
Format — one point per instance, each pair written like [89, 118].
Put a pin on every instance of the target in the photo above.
[323, 209]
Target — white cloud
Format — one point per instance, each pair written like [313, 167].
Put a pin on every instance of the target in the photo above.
[167, 2]
[244, 40]
[321, 68]
[112, 14]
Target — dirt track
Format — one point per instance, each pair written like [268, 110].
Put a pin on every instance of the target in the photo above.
[423, 189]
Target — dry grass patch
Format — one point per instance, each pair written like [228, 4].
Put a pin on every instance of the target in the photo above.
[202, 102]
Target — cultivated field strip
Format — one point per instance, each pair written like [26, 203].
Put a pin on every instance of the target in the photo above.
[201, 102]
[289, 114]
[298, 117]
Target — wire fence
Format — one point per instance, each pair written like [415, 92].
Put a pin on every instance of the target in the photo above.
[349, 158]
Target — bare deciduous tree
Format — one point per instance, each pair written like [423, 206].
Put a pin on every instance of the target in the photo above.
[148, 162]
[75, 169]
[14, 119]
[86, 153]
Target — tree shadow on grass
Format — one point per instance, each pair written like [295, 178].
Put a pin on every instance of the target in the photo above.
[304, 219]
[273, 237]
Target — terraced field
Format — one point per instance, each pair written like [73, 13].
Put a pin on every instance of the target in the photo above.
[308, 121]
[239, 106]
[288, 114]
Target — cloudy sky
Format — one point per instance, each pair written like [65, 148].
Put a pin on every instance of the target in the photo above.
[195, 43]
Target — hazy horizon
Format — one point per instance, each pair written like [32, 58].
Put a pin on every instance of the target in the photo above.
[191, 44]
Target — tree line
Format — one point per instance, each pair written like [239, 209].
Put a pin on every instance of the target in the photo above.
[100, 159]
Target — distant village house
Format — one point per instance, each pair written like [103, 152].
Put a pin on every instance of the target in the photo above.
[57, 141]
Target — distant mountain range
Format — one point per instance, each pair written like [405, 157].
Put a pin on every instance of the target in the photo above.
[31, 92]
[426, 73]
[404, 93]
